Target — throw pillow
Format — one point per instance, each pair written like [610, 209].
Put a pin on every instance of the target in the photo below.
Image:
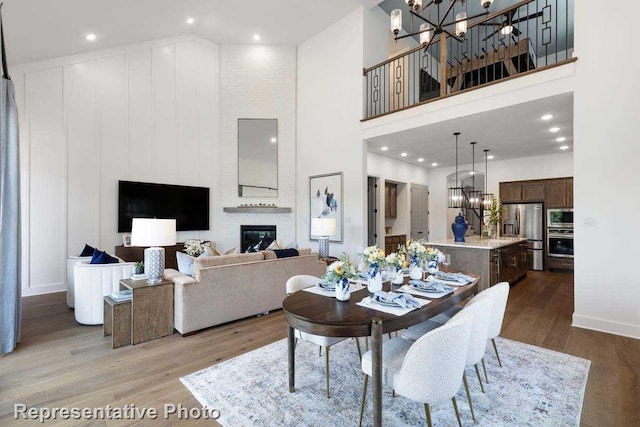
[286, 253]
[214, 251]
[233, 251]
[254, 248]
[275, 245]
[87, 251]
[100, 257]
[185, 261]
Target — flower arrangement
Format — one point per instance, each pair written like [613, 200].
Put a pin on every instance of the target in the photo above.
[434, 254]
[394, 260]
[372, 255]
[196, 247]
[416, 252]
[341, 269]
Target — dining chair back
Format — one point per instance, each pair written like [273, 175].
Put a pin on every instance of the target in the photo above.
[500, 293]
[299, 282]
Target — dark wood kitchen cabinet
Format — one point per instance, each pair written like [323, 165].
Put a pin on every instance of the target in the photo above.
[511, 192]
[391, 243]
[533, 191]
[559, 193]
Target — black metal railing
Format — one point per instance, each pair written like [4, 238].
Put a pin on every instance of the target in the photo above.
[529, 36]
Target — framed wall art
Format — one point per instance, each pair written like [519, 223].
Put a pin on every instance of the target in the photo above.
[325, 201]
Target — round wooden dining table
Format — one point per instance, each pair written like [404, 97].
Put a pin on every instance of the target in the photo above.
[326, 316]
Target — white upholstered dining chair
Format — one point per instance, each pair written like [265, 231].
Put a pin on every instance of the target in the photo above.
[428, 370]
[295, 284]
[480, 309]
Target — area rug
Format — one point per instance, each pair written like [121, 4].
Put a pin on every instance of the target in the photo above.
[535, 387]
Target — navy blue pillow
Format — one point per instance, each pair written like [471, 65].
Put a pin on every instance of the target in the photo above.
[87, 251]
[286, 253]
[100, 257]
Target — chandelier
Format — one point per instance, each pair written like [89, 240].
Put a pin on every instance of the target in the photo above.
[455, 194]
[487, 198]
[434, 19]
[475, 196]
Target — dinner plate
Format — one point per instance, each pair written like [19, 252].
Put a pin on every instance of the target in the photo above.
[327, 286]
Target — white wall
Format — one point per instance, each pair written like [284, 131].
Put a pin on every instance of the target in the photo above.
[146, 112]
[387, 169]
[257, 82]
[539, 167]
[606, 129]
[329, 139]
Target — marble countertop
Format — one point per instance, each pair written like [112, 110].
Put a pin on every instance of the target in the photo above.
[477, 243]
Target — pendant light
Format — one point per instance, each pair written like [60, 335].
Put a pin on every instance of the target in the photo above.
[487, 198]
[455, 193]
[475, 196]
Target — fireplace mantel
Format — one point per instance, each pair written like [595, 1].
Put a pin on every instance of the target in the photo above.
[255, 209]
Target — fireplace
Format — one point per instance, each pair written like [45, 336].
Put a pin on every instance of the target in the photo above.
[251, 235]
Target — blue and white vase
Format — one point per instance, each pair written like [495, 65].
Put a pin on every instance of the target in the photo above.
[432, 265]
[415, 270]
[343, 290]
[374, 278]
[399, 279]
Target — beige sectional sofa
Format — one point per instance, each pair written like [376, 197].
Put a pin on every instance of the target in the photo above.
[231, 287]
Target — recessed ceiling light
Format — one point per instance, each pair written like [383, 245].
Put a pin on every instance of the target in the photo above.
[385, 148]
[190, 21]
[256, 37]
[564, 147]
[554, 129]
[490, 157]
[434, 164]
[273, 140]
[547, 117]
[91, 37]
[404, 154]
[421, 160]
[561, 139]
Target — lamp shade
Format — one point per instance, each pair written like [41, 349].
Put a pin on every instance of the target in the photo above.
[323, 226]
[396, 21]
[153, 232]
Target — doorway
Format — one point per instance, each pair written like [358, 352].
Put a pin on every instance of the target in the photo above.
[372, 210]
[419, 212]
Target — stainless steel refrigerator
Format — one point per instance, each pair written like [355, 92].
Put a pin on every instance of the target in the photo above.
[526, 220]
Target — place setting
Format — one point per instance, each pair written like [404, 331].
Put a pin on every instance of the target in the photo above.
[430, 289]
[451, 279]
[392, 302]
[328, 289]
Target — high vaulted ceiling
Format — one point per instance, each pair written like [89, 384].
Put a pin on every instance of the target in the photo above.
[43, 29]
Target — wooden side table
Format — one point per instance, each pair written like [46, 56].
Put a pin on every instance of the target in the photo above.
[151, 309]
[117, 321]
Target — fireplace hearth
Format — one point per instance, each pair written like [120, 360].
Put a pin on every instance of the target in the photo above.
[251, 235]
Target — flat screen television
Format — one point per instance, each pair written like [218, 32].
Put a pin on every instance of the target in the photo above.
[188, 205]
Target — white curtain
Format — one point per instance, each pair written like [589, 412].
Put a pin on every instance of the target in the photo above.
[10, 287]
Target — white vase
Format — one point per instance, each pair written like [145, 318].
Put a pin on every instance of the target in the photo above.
[343, 290]
[374, 282]
[432, 266]
[399, 279]
[415, 272]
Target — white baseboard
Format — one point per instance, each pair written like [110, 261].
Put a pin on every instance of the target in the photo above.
[601, 325]
[41, 290]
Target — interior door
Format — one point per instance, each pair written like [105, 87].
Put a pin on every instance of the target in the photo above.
[372, 210]
[419, 212]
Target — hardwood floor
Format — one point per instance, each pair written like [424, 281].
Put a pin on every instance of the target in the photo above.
[62, 364]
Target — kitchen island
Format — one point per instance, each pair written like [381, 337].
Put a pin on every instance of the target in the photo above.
[492, 260]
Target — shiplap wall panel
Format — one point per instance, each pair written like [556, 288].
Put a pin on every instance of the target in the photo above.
[47, 183]
[83, 156]
[87, 122]
[166, 129]
[187, 102]
[140, 97]
[114, 153]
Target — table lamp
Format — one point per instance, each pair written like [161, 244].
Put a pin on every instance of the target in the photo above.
[154, 233]
[323, 227]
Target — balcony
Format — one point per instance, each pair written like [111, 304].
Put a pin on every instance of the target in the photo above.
[527, 37]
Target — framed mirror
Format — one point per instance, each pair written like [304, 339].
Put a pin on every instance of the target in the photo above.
[258, 157]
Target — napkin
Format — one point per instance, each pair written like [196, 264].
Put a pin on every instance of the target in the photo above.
[453, 277]
[401, 300]
[430, 286]
[327, 286]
